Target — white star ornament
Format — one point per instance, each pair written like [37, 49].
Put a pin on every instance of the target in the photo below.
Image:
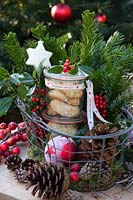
[38, 56]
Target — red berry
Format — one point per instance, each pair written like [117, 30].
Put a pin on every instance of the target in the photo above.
[2, 134]
[22, 125]
[24, 137]
[104, 115]
[67, 60]
[16, 150]
[3, 125]
[12, 125]
[66, 64]
[34, 110]
[17, 137]
[7, 153]
[74, 177]
[10, 141]
[4, 146]
[7, 130]
[75, 167]
[101, 106]
[37, 99]
[96, 97]
[37, 107]
[42, 90]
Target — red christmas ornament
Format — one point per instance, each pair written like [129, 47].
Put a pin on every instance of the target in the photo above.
[61, 12]
[102, 18]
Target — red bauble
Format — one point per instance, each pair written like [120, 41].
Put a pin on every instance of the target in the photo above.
[74, 177]
[68, 151]
[102, 18]
[61, 12]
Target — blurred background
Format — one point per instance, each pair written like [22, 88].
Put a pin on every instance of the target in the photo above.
[20, 15]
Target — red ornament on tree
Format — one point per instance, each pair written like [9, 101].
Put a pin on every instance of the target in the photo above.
[61, 12]
[102, 18]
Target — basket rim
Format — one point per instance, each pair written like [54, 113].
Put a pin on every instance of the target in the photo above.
[38, 120]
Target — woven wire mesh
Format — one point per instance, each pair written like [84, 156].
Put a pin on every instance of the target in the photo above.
[101, 168]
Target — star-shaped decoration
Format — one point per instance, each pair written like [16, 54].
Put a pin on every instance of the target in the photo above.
[38, 56]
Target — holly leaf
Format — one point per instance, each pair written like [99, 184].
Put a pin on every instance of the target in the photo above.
[31, 90]
[2, 83]
[27, 79]
[74, 70]
[4, 73]
[56, 69]
[15, 78]
[22, 91]
[39, 71]
[5, 104]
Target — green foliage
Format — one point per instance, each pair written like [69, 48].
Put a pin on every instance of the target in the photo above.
[16, 53]
[55, 45]
[5, 104]
[107, 63]
[56, 69]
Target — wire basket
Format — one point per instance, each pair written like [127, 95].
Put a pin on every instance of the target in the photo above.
[95, 173]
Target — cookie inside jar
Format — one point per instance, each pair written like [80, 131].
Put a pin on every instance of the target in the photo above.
[65, 96]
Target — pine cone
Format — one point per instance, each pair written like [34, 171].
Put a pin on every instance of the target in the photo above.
[13, 162]
[106, 178]
[88, 170]
[85, 147]
[99, 129]
[49, 180]
[27, 164]
[20, 175]
[124, 177]
[72, 195]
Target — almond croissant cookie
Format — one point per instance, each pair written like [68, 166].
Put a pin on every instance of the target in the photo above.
[63, 109]
[76, 94]
[59, 95]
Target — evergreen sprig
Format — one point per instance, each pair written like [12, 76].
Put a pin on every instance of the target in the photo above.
[16, 53]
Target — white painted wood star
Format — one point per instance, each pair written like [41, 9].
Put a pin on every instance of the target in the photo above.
[38, 56]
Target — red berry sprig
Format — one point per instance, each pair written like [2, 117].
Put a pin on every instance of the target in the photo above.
[101, 104]
[10, 135]
[67, 66]
[38, 100]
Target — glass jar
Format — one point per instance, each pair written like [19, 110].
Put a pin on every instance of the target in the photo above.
[65, 96]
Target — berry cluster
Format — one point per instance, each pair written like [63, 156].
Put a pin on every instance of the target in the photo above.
[35, 129]
[75, 168]
[101, 103]
[67, 66]
[38, 100]
[9, 135]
